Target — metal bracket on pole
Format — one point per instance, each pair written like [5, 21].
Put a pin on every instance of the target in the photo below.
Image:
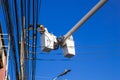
[85, 18]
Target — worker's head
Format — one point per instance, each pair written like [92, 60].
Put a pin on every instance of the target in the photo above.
[41, 26]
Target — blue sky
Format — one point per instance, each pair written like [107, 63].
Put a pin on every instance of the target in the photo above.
[97, 41]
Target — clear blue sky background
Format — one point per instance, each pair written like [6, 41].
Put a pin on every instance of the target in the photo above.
[97, 41]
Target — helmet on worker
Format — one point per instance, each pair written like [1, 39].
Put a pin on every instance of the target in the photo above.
[41, 26]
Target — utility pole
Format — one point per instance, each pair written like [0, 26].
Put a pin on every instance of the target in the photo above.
[22, 52]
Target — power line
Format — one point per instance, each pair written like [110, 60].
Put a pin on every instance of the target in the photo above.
[76, 59]
[6, 10]
[17, 30]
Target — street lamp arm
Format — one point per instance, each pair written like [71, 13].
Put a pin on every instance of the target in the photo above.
[64, 73]
[55, 78]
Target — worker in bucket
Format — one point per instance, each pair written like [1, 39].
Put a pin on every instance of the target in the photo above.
[42, 29]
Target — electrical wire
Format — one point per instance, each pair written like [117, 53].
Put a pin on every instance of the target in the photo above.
[77, 59]
[33, 42]
[36, 37]
[14, 22]
[8, 22]
[28, 35]
[41, 59]
[17, 30]
[4, 13]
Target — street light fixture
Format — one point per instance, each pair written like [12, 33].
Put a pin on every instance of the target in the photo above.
[62, 74]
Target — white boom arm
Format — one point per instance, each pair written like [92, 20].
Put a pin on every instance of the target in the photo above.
[85, 18]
